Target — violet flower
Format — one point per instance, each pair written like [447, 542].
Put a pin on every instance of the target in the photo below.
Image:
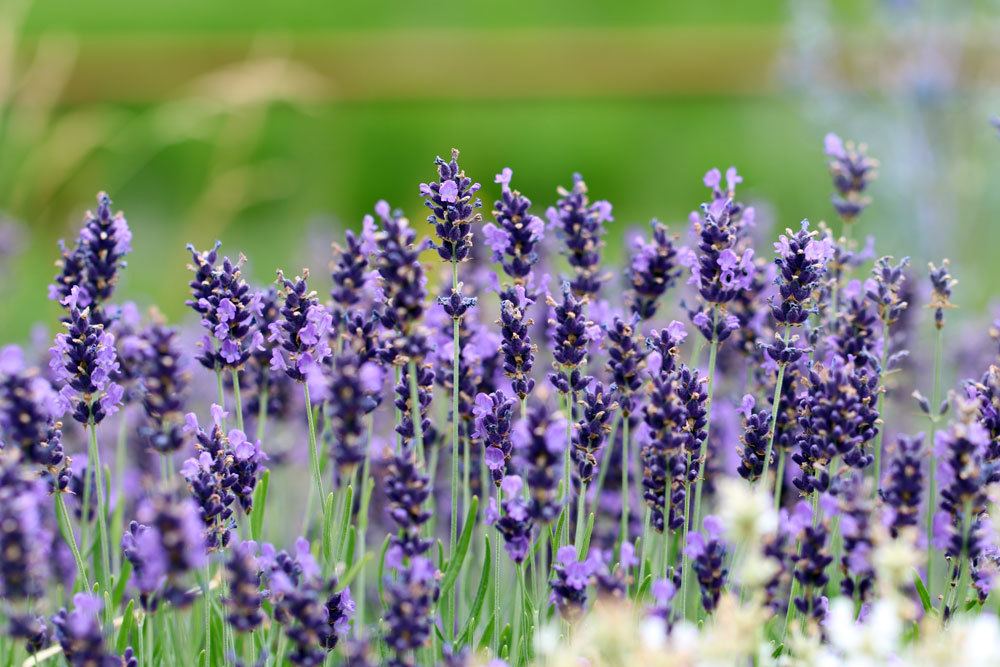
[79, 633]
[453, 208]
[243, 576]
[626, 361]
[753, 441]
[83, 362]
[941, 285]
[494, 416]
[425, 394]
[24, 538]
[811, 564]
[402, 285]
[515, 236]
[801, 263]
[516, 523]
[838, 418]
[407, 490]
[598, 405]
[94, 263]
[570, 338]
[164, 546]
[856, 508]
[227, 307]
[28, 410]
[349, 400]
[852, 171]
[409, 602]
[301, 333]
[580, 225]
[707, 554]
[569, 582]
[224, 473]
[540, 441]
[654, 270]
[165, 382]
[902, 490]
[518, 351]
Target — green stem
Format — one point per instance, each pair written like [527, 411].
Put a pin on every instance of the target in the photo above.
[207, 594]
[262, 398]
[775, 405]
[685, 565]
[581, 510]
[626, 491]
[703, 452]
[779, 479]
[238, 399]
[496, 581]
[879, 408]
[94, 455]
[415, 414]
[453, 510]
[313, 448]
[66, 528]
[932, 463]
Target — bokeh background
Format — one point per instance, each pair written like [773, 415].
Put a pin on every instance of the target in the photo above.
[272, 125]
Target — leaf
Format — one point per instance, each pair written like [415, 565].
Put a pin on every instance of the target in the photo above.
[345, 521]
[587, 531]
[487, 637]
[354, 570]
[455, 564]
[326, 539]
[381, 569]
[503, 647]
[128, 623]
[348, 557]
[477, 604]
[925, 597]
[119, 590]
[259, 503]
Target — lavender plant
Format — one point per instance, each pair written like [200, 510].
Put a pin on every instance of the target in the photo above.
[637, 513]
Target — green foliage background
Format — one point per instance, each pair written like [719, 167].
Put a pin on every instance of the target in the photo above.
[271, 125]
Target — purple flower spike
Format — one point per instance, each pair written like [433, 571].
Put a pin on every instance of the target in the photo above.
[598, 405]
[653, 271]
[852, 171]
[227, 307]
[515, 236]
[301, 333]
[540, 441]
[83, 362]
[580, 224]
[494, 415]
[453, 207]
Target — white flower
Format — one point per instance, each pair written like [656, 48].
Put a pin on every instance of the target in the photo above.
[747, 512]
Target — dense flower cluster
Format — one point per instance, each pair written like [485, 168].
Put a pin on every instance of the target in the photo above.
[661, 499]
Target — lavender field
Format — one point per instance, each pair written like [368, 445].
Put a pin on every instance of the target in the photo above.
[494, 447]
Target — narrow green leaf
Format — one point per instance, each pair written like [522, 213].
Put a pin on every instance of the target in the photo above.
[128, 624]
[455, 564]
[345, 521]
[351, 573]
[326, 537]
[348, 556]
[644, 587]
[587, 531]
[259, 503]
[469, 630]
[119, 590]
[925, 597]
[504, 643]
[381, 570]
[487, 637]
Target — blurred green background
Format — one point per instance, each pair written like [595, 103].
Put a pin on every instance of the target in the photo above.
[271, 125]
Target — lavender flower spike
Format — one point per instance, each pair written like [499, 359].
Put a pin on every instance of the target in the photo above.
[83, 361]
[852, 171]
[941, 285]
[654, 270]
[514, 237]
[453, 208]
[301, 333]
[581, 226]
[708, 555]
[227, 307]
